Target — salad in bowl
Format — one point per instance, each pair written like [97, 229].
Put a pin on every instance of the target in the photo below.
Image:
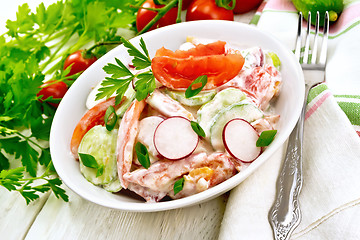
[165, 126]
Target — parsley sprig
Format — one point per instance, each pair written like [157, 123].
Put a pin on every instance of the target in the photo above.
[33, 49]
[121, 77]
[13, 180]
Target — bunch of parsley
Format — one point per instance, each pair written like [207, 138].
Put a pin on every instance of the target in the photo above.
[32, 50]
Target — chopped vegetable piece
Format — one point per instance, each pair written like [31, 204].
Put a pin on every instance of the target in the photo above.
[175, 139]
[110, 118]
[142, 154]
[197, 128]
[179, 185]
[240, 140]
[177, 70]
[266, 137]
[196, 86]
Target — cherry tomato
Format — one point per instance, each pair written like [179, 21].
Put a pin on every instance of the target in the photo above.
[95, 116]
[177, 70]
[144, 16]
[207, 10]
[243, 6]
[53, 89]
[186, 4]
[79, 63]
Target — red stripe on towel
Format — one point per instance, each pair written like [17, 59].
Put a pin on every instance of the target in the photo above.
[317, 105]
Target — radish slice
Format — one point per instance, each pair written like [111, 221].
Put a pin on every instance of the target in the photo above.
[174, 138]
[239, 139]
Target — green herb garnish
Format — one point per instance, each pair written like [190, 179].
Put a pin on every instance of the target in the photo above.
[179, 185]
[34, 47]
[121, 76]
[90, 162]
[13, 180]
[142, 155]
[266, 137]
[196, 86]
[197, 128]
[110, 118]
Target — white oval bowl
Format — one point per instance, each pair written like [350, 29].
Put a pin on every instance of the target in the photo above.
[73, 106]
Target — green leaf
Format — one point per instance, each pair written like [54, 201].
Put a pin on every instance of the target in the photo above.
[45, 158]
[117, 71]
[88, 160]
[22, 150]
[265, 138]
[111, 85]
[6, 131]
[143, 47]
[199, 83]
[57, 190]
[144, 85]
[197, 128]
[42, 188]
[142, 155]
[110, 118]
[29, 158]
[179, 185]
[10, 179]
[4, 162]
[29, 195]
[140, 60]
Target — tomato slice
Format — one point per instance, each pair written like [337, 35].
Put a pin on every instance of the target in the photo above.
[93, 117]
[200, 50]
[177, 70]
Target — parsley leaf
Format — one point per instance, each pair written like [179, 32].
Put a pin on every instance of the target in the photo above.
[33, 49]
[144, 85]
[140, 60]
[13, 180]
[121, 76]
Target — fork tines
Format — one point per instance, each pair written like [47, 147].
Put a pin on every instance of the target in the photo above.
[310, 53]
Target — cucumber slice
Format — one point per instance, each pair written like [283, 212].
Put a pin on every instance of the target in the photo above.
[221, 100]
[197, 100]
[243, 110]
[101, 144]
[113, 186]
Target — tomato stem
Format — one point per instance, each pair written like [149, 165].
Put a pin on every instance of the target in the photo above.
[147, 8]
[226, 4]
[160, 13]
[88, 51]
[178, 18]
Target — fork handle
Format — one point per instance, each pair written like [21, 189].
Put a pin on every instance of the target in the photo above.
[285, 215]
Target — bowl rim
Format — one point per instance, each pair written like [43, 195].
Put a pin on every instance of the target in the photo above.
[209, 193]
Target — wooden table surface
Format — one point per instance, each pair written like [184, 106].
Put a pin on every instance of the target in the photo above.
[51, 218]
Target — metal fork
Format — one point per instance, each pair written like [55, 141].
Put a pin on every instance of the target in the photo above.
[285, 215]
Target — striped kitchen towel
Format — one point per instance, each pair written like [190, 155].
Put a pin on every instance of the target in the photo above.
[330, 196]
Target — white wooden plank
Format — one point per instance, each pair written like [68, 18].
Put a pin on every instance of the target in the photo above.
[80, 219]
[17, 217]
